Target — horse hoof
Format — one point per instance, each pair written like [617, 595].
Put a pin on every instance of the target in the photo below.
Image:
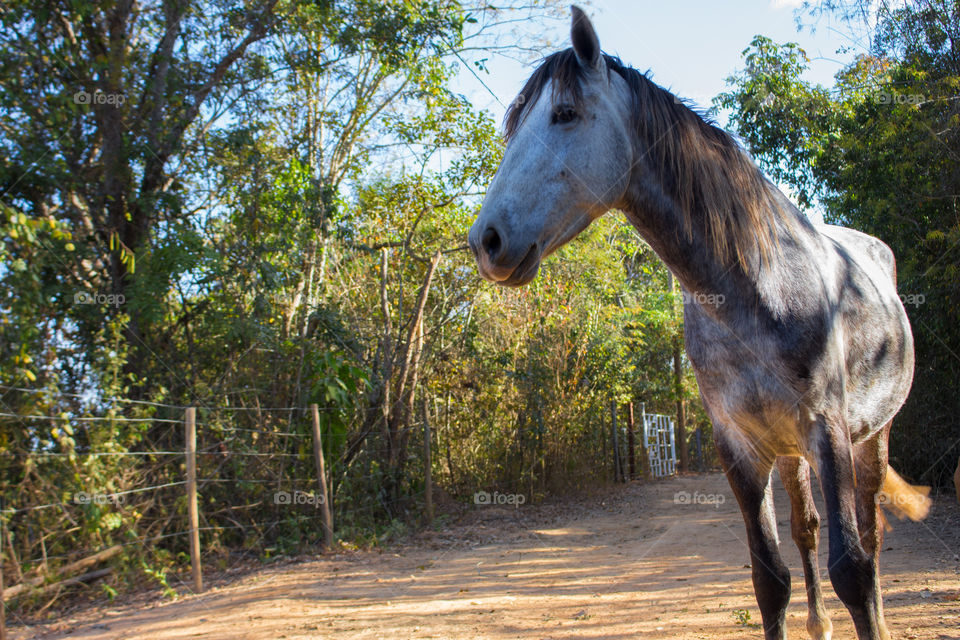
[820, 631]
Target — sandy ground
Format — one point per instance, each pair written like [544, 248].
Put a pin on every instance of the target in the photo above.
[629, 562]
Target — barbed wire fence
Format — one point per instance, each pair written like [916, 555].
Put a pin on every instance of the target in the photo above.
[215, 486]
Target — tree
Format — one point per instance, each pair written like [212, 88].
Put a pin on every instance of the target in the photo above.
[93, 124]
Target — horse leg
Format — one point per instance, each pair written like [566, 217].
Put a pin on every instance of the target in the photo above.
[750, 481]
[870, 463]
[853, 571]
[805, 528]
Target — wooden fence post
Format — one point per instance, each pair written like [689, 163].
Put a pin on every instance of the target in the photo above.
[956, 480]
[3, 605]
[325, 511]
[699, 434]
[427, 470]
[190, 422]
[631, 444]
[680, 435]
[617, 469]
[644, 456]
[602, 431]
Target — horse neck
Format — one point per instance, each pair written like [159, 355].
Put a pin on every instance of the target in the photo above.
[691, 256]
[671, 222]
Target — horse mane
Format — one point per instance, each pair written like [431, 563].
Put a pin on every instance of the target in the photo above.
[699, 164]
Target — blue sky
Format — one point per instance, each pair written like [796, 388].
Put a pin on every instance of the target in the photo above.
[689, 46]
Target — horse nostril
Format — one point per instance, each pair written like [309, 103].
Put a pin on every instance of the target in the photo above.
[491, 243]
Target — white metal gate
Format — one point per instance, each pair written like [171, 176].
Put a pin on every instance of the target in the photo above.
[659, 436]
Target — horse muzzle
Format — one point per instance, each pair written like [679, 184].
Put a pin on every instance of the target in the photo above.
[496, 264]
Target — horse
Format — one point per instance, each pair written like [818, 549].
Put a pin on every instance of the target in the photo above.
[805, 363]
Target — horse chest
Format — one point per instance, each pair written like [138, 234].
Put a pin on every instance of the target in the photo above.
[749, 388]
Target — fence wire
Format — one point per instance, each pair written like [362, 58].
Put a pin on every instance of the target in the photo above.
[241, 471]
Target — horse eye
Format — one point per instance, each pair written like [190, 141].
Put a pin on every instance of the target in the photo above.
[564, 113]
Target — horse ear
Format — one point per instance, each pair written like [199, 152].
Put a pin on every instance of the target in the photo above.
[585, 42]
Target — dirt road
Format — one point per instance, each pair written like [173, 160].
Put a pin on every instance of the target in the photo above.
[656, 560]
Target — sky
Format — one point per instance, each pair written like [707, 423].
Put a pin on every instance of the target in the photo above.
[689, 47]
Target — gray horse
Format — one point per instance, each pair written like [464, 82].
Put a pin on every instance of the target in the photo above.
[808, 359]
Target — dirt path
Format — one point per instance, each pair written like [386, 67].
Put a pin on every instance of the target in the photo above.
[631, 563]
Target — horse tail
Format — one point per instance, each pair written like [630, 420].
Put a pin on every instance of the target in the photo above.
[903, 499]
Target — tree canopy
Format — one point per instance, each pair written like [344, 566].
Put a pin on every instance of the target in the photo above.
[249, 209]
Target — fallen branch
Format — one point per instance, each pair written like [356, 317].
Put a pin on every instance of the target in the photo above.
[66, 570]
[83, 579]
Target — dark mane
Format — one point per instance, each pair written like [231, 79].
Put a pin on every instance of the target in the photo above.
[561, 69]
[700, 165]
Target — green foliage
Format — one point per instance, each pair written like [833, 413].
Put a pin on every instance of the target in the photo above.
[597, 325]
[160, 576]
[238, 214]
[792, 117]
[742, 618]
